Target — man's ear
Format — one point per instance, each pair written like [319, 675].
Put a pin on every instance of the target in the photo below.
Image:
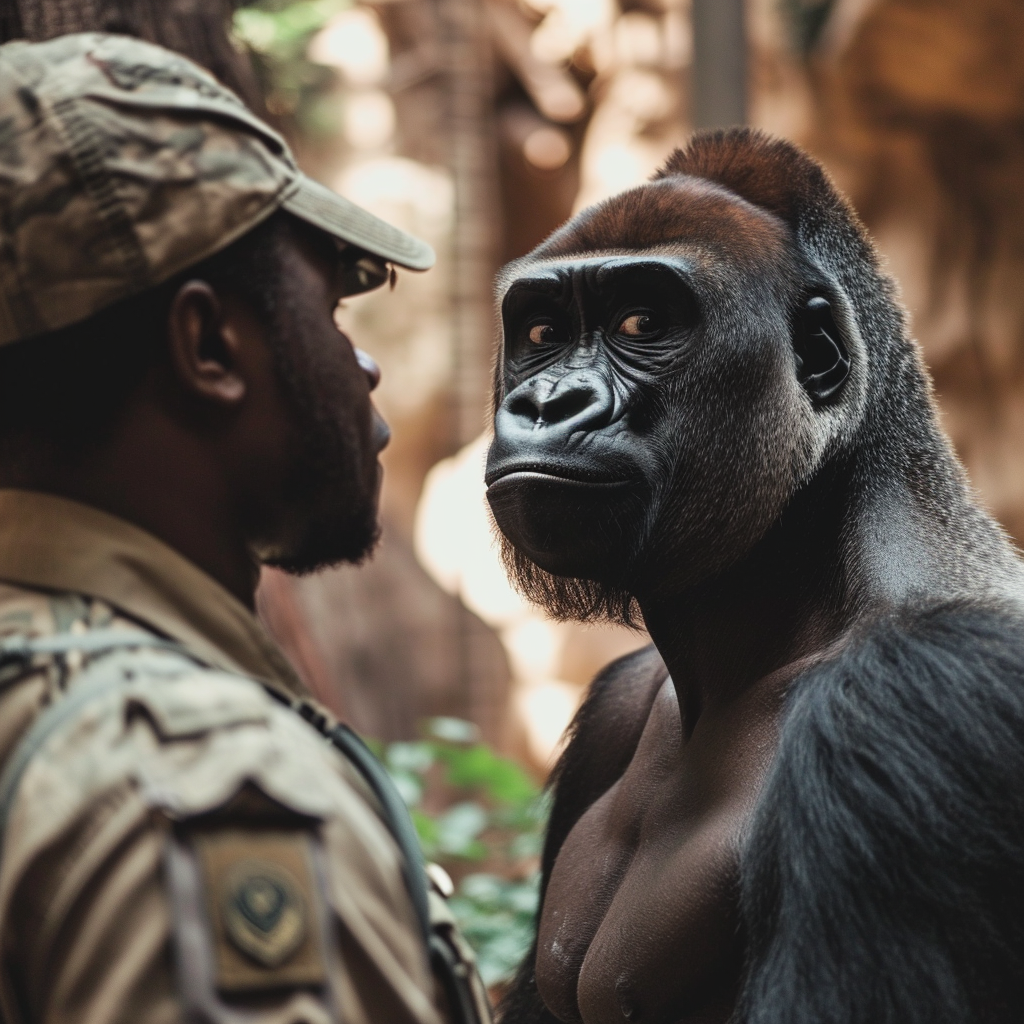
[204, 345]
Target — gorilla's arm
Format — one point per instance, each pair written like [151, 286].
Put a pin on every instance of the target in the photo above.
[883, 880]
[602, 740]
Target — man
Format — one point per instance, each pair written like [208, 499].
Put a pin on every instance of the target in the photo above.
[177, 407]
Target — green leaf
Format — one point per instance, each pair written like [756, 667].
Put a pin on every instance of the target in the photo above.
[409, 786]
[526, 844]
[496, 916]
[428, 831]
[478, 766]
[409, 757]
[282, 31]
[504, 824]
[483, 889]
[452, 730]
[458, 829]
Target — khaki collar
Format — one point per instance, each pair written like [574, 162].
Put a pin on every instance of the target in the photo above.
[56, 544]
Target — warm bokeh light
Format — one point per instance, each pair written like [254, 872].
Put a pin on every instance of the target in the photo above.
[354, 43]
[567, 24]
[455, 542]
[368, 119]
[620, 150]
[409, 332]
[547, 148]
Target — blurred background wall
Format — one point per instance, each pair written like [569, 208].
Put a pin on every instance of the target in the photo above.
[481, 125]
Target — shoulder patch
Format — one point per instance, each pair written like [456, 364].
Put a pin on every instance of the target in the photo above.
[261, 898]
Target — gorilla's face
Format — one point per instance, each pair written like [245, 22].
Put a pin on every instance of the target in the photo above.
[657, 409]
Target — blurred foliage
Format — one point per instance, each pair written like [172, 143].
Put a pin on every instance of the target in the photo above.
[474, 808]
[277, 34]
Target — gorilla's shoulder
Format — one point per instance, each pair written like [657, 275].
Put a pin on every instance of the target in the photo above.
[894, 810]
[619, 699]
[602, 739]
[920, 659]
[927, 694]
[607, 727]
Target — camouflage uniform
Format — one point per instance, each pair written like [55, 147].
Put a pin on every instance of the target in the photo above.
[203, 766]
[180, 845]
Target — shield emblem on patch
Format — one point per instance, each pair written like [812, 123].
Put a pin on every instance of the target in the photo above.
[263, 910]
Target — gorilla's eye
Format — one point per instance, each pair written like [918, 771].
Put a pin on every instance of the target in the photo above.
[637, 324]
[543, 333]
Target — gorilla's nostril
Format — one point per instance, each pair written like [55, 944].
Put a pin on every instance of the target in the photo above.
[566, 406]
[559, 406]
[524, 408]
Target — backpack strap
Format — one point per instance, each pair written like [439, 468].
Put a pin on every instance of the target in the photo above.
[396, 816]
[451, 958]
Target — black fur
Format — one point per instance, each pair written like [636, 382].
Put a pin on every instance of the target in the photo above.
[883, 881]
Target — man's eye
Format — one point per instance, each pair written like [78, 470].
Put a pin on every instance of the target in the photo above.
[638, 323]
[541, 334]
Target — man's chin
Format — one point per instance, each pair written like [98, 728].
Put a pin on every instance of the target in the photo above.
[323, 545]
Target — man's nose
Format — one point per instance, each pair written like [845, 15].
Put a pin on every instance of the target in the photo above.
[369, 367]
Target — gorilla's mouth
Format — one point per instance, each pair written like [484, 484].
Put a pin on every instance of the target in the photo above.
[525, 472]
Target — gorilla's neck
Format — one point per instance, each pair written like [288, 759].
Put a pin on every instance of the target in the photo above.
[786, 600]
[849, 545]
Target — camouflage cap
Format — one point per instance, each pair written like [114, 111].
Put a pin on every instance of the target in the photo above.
[122, 163]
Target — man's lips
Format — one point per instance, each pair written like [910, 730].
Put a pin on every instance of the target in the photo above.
[381, 432]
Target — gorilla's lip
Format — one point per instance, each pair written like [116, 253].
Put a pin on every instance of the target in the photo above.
[564, 474]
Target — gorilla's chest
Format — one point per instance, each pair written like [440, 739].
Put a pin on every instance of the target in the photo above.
[640, 919]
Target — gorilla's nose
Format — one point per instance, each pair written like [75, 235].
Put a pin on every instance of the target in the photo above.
[558, 407]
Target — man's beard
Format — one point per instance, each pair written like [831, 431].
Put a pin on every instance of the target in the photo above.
[331, 504]
[326, 526]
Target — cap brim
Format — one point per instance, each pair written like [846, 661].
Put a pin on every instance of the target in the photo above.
[318, 205]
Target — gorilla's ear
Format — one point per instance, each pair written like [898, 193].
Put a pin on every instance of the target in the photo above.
[822, 361]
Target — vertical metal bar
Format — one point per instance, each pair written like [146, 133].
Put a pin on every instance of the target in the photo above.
[473, 161]
[719, 63]
[467, 61]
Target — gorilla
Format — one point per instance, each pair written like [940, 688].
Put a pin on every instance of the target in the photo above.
[805, 803]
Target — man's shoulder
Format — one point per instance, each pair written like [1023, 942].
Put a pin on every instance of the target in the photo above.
[232, 789]
[30, 612]
[32, 680]
[94, 700]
